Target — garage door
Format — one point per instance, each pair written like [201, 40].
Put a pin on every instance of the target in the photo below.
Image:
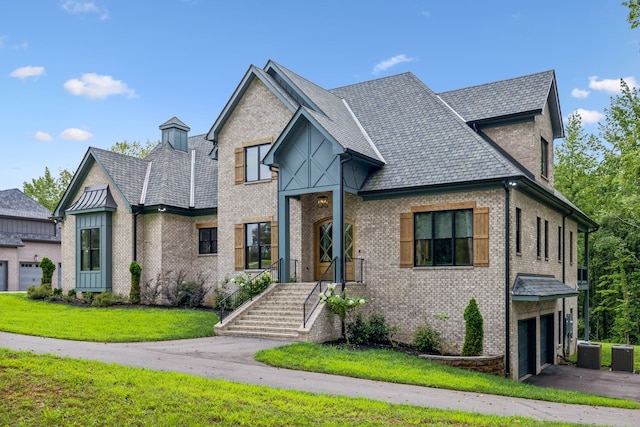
[30, 274]
[3, 275]
[546, 339]
[526, 347]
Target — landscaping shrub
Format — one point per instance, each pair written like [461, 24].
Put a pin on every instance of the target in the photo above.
[136, 271]
[374, 330]
[473, 330]
[71, 295]
[48, 267]
[41, 292]
[150, 290]
[180, 292]
[427, 339]
[107, 299]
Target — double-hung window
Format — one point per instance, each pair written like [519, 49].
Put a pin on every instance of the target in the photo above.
[208, 241]
[254, 170]
[544, 157]
[90, 249]
[443, 238]
[257, 245]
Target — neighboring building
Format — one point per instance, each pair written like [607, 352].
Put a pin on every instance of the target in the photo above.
[432, 198]
[27, 235]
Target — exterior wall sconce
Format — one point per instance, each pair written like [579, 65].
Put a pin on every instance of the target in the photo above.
[322, 201]
[162, 209]
[35, 257]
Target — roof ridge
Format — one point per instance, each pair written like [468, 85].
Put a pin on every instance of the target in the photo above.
[498, 81]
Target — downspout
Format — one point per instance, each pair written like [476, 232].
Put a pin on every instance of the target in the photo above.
[564, 267]
[136, 212]
[507, 282]
[585, 309]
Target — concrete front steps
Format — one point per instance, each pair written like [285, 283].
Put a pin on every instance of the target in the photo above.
[275, 314]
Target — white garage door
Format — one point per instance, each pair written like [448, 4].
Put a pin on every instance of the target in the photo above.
[3, 275]
[30, 274]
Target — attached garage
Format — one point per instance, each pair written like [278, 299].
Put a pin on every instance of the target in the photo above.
[547, 352]
[30, 274]
[526, 347]
[3, 275]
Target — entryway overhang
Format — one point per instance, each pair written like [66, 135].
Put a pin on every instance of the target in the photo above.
[531, 287]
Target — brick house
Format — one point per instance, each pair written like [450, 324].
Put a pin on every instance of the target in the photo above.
[27, 235]
[428, 199]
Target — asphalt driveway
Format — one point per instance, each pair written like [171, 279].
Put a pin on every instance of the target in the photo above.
[231, 358]
[624, 385]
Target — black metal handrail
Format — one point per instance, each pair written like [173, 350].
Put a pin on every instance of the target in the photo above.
[248, 290]
[313, 299]
[358, 270]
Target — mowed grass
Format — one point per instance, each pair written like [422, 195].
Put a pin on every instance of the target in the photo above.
[45, 390]
[396, 367]
[21, 315]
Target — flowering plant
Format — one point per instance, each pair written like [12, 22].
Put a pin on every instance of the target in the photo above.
[340, 304]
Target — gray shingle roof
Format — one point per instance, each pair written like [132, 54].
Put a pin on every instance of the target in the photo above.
[333, 115]
[501, 98]
[15, 203]
[540, 288]
[422, 140]
[170, 175]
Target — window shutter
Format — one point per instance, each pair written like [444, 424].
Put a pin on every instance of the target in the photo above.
[481, 237]
[406, 239]
[239, 165]
[274, 241]
[239, 246]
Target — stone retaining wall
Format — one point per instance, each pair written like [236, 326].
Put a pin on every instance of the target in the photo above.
[493, 365]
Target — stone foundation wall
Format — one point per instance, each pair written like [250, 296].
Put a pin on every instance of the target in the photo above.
[493, 365]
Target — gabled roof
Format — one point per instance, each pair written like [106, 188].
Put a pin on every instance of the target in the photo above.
[520, 96]
[15, 203]
[166, 176]
[423, 141]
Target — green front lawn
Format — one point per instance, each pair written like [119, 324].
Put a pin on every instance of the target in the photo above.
[392, 366]
[21, 315]
[45, 390]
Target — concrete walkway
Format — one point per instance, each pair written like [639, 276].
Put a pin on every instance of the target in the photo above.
[231, 358]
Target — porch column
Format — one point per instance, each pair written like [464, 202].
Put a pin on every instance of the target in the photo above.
[585, 310]
[284, 247]
[338, 234]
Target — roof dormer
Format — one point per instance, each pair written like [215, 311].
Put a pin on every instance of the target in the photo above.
[175, 133]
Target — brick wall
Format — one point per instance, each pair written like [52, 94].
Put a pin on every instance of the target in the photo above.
[258, 116]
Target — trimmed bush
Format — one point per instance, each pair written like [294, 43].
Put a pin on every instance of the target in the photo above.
[136, 271]
[427, 339]
[107, 299]
[41, 292]
[473, 330]
[48, 267]
[375, 329]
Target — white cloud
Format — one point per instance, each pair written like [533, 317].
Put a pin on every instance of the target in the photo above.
[76, 7]
[580, 93]
[611, 85]
[21, 46]
[94, 86]
[42, 136]
[75, 134]
[589, 116]
[426, 13]
[28, 71]
[388, 63]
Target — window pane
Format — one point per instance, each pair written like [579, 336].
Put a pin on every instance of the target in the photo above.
[95, 238]
[443, 251]
[85, 239]
[253, 260]
[423, 252]
[251, 164]
[443, 223]
[464, 223]
[252, 234]
[85, 260]
[464, 251]
[265, 233]
[265, 173]
[95, 259]
[214, 240]
[423, 226]
[205, 234]
[265, 256]
[348, 241]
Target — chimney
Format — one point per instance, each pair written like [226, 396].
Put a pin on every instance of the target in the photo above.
[175, 133]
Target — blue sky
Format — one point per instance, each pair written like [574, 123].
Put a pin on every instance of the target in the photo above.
[75, 73]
